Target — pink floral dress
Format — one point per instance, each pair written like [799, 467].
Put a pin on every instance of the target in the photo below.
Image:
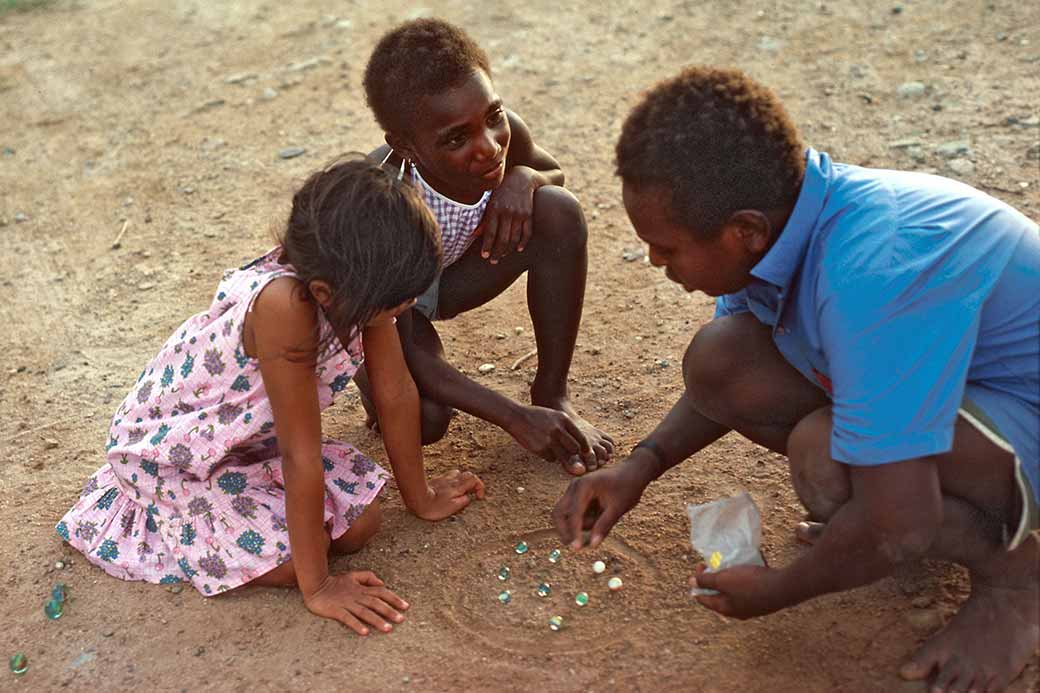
[193, 487]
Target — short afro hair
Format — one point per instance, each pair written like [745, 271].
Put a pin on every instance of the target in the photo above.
[419, 58]
[718, 140]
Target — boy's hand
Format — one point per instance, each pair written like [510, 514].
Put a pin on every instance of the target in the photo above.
[553, 436]
[355, 599]
[506, 225]
[745, 591]
[597, 501]
[448, 494]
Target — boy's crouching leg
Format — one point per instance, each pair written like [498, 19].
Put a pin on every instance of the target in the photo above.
[821, 483]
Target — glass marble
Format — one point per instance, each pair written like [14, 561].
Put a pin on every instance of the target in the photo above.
[503, 573]
[544, 590]
[556, 623]
[505, 596]
[614, 584]
[581, 598]
[598, 567]
[53, 609]
[19, 664]
[554, 556]
[521, 548]
[59, 592]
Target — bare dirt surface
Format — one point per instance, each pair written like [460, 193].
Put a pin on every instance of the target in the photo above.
[168, 118]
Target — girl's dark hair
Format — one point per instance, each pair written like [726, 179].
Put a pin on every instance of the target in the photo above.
[416, 59]
[718, 140]
[366, 234]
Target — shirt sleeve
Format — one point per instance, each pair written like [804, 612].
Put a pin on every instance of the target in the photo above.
[731, 304]
[899, 341]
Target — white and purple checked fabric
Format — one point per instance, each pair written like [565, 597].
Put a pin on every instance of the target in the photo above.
[457, 221]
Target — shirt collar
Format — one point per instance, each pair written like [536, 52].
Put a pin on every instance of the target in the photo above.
[780, 264]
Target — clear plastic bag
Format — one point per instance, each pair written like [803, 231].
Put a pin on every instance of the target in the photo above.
[727, 532]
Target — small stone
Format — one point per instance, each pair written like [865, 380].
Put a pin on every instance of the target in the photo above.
[521, 547]
[199, 651]
[486, 367]
[554, 556]
[962, 167]
[556, 623]
[920, 56]
[53, 609]
[518, 330]
[344, 24]
[108, 632]
[291, 152]
[614, 584]
[520, 489]
[50, 444]
[269, 93]
[176, 589]
[581, 598]
[544, 590]
[308, 64]
[953, 150]
[897, 9]
[503, 573]
[60, 565]
[19, 664]
[505, 596]
[20, 217]
[633, 255]
[599, 567]
[59, 593]
[240, 78]
[924, 620]
[911, 90]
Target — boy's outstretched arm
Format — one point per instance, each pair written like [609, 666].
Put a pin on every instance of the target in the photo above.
[893, 515]
[597, 501]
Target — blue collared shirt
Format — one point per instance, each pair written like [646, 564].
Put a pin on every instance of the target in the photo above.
[896, 293]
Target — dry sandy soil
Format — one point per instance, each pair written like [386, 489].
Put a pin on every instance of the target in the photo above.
[168, 117]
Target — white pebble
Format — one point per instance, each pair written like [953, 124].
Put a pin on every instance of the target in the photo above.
[598, 567]
[486, 367]
[614, 584]
[520, 489]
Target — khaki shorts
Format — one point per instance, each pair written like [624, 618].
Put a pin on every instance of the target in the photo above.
[1029, 520]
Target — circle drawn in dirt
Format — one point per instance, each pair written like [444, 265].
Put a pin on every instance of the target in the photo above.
[522, 624]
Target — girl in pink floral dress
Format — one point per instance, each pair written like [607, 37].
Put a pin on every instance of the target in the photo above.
[217, 471]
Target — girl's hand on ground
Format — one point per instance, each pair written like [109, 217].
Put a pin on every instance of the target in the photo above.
[506, 225]
[745, 591]
[356, 599]
[597, 501]
[450, 493]
[554, 436]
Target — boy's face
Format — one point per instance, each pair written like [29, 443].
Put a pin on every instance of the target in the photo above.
[718, 265]
[461, 138]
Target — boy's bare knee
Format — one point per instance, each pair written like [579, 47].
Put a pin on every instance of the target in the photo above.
[558, 218]
[714, 356]
[363, 529]
[821, 483]
[435, 421]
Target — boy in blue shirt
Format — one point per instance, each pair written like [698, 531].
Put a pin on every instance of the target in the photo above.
[880, 328]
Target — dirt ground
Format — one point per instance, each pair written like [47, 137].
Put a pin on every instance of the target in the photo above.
[166, 119]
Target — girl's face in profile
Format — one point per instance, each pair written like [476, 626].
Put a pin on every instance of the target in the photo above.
[461, 139]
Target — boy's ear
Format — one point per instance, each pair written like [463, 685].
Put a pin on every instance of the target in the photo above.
[400, 145]
[754, 228]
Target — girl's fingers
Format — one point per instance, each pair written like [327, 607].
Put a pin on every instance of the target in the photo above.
[382, 608]
[390, 598]
[350, 621]
[367, 577]
[370, 617]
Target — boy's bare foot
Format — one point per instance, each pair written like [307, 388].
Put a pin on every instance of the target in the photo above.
[986, 644]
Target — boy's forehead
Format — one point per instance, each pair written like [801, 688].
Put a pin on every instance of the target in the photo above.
[459, 104]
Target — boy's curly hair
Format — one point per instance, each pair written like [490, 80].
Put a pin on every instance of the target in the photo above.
[419, 58]
[718, 140]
